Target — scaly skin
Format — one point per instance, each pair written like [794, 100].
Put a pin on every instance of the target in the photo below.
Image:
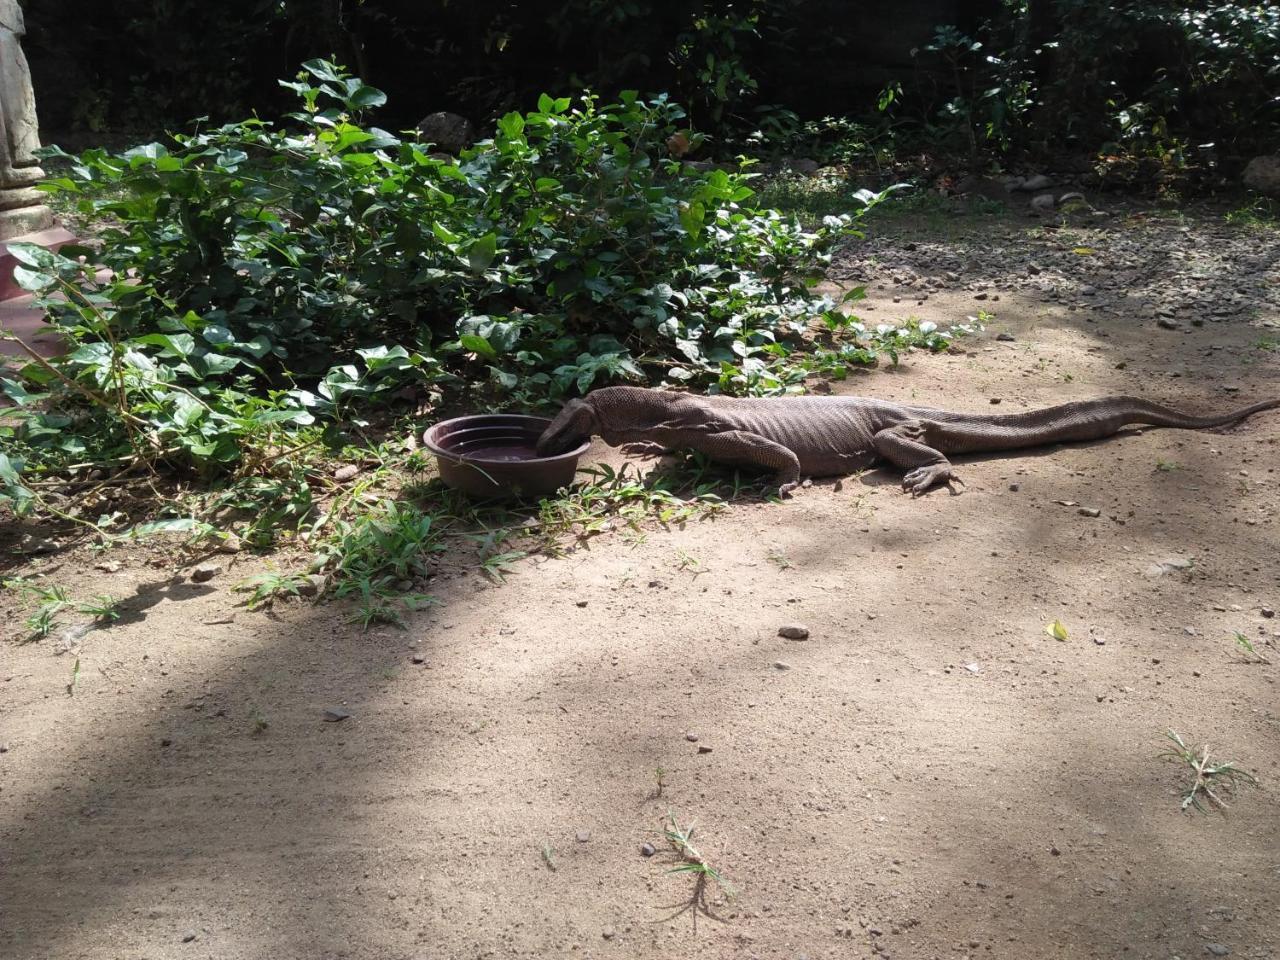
[829, 436]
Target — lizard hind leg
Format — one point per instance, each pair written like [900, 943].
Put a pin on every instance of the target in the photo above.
[907, 446]
[742, 447]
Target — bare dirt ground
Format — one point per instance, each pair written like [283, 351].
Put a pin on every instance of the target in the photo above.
[929, 774]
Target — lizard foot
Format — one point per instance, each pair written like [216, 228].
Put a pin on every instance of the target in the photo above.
[643, 448]
[784, 491]
[922, 478]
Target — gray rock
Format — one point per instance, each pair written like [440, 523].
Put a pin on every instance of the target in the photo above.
[583, 836]
[691, 737]
[794, 631]
[1037, 182]
[1071, 197]
[1263, 174]
[451, 132]
[1089, 512]
[804, 166]
[781, 665]
[312, 585]
[647, 850]
[1268, 612]
[345, 473]
[1042, 203]
[1168, 323]
[1006, 337]
[1217, 949]
[205, 572]
[188, 936]
[335, 715]
[230, 544]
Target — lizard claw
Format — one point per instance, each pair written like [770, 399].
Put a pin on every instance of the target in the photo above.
[784, 491]
[644, 448]
[921, 479]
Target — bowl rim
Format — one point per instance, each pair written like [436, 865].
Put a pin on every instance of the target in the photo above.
[528, 418]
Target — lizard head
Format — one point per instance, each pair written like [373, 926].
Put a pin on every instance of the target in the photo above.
[575, 423]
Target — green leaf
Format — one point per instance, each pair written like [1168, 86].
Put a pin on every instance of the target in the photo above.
[33, 280]
[1056, 630]
[511, 126]
[482, 252]
[367, 97]
[478, 344]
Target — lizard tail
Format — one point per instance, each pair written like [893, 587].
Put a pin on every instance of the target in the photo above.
[1077, 421]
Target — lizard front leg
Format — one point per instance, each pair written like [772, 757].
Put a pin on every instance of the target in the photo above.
[908, 446]
[739, 446]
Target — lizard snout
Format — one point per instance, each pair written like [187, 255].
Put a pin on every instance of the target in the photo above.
[574, 424]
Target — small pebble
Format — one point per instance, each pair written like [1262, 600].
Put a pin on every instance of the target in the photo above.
[647, 850]
[418, 658]
[608, 934]
[1217, 949]
[1005, 337]
[1089, 512]
[188, 936]
[1014, 487]
[583, 836]
[794, 631]
[691, 737]
[1268, 612]
[345, 473]
[582, 603]
[334, 715]
[777, 665]
[205, 572]
[703, 748]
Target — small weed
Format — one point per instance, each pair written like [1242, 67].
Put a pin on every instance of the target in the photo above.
[75, 678]
[259, 724]
[1246, 650]
[776, 556]
[496, 563]
[266, 588]
[686, 562]
[1267, 344]
[103, 608]
[549, 857]
[659, 781]
[689, 859]
[1261, 214]
[53, 600]
[1167, 466]
[1212, 781]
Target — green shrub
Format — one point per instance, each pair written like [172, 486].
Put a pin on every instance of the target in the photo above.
[261, 281]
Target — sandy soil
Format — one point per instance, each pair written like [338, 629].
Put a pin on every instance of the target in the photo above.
[929, 774]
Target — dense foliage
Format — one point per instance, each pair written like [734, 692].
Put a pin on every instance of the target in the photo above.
[1008, 78]
[253, 281]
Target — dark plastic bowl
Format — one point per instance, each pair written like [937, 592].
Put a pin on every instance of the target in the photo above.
[495, 455]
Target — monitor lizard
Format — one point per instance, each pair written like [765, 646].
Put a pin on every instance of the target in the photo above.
[829, 436]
